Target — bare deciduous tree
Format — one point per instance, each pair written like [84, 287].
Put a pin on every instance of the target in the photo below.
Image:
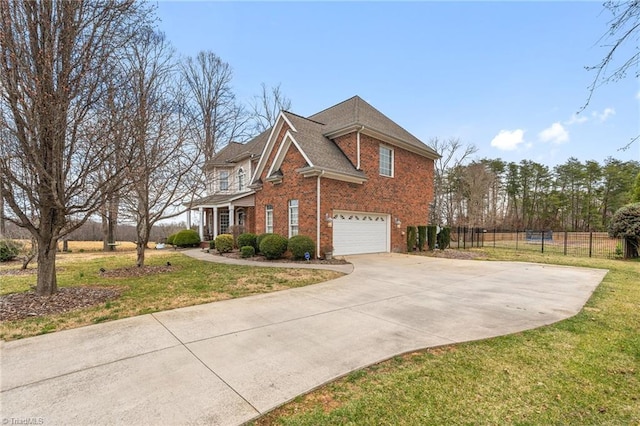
[55, 58]
[164, 171]
[266, 107]
[454, 153]
[623, 33]
[215, 118]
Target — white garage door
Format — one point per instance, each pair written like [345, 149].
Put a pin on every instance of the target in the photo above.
[357, 233]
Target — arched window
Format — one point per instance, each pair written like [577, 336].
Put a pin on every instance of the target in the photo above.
[240, 179]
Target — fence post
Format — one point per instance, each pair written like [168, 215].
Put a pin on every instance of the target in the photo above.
[565, 242]
[517, 238]
[590, 243]
[542, 246]
[464, 238]
[494, 237]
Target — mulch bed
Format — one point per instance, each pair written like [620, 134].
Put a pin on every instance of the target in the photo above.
[259, 258]
[17, 306]
[24, 305]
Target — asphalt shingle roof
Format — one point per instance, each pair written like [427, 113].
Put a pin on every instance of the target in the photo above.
[356, 111]
[236, 149]
[322, 151]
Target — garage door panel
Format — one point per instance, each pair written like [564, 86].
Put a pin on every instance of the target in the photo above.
[356, 233]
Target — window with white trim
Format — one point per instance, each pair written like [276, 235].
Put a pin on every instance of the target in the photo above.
[224, 222]
[268, 219]
[240, 179]
[224, 180]
[293, 218]
[386, 161]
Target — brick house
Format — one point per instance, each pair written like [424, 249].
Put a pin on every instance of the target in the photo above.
[348, 177]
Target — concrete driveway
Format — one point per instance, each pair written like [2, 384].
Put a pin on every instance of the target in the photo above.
[228, 362]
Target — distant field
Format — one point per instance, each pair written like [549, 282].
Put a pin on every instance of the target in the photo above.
[82, 246]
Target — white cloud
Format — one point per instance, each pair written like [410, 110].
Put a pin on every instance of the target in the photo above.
[508, 140]
[556, 134]
[602, 117]
[576, 119]
[638, 95]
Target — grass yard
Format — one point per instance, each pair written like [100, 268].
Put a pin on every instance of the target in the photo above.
[581, 371]
[190, 282]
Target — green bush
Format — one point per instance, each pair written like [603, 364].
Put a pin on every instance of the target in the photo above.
[422, 237]
[212, 244]
[259, 239]
[432, 231]
[247, 251]
[247, 239]
[411, 238]
[171, 238]
[299, 245]
[444, 237]
[625, 223]
[8, 250]
[186, 238]
[273, 246]
[224, 243]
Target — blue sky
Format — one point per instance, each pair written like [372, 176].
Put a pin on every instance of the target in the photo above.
[508, 77]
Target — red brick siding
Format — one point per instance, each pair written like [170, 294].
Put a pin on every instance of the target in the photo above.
[293, 187]
[349, 145]
[405, 196]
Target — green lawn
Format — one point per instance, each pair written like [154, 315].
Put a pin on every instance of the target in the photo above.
[191, 282]
[582, 371]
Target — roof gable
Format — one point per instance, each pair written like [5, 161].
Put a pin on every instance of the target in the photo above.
[354, 113]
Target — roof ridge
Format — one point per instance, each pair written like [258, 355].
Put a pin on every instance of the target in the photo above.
[333, 106]
[304, 118]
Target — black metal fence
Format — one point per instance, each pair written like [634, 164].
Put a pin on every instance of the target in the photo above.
[591, 244]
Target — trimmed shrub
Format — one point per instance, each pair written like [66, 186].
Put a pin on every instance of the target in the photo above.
[411, 238]
[224, 243]
[422, 237]
[432, 231]
[247, 239]
[186, 238]
[171, 238]
[259, 239]
[273, 246]
[299, 245]
[212, 244]
[625, 223]
[8, 250]
[247, 251]
[444, 237]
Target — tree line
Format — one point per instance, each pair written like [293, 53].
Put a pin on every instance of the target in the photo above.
[495, 194]
[100, 118]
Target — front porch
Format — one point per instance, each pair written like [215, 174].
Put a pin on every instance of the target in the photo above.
[223, 214]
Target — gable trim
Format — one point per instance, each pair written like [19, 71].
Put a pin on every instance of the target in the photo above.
[287, 140]
[268, 147]
[331, 174]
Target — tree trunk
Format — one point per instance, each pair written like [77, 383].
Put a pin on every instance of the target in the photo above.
[47, 283]
[142, 241]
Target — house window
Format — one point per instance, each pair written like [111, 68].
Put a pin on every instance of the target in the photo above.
[240, 179]
[386, 161]
[224, 222]
[293, 218]
[224, 180]
[268, 219]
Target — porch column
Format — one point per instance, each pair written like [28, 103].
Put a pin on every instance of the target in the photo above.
[232, 215]
[215, 222]
[188, 219]
[201, 224]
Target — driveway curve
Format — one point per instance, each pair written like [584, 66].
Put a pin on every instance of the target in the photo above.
[231, 361]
